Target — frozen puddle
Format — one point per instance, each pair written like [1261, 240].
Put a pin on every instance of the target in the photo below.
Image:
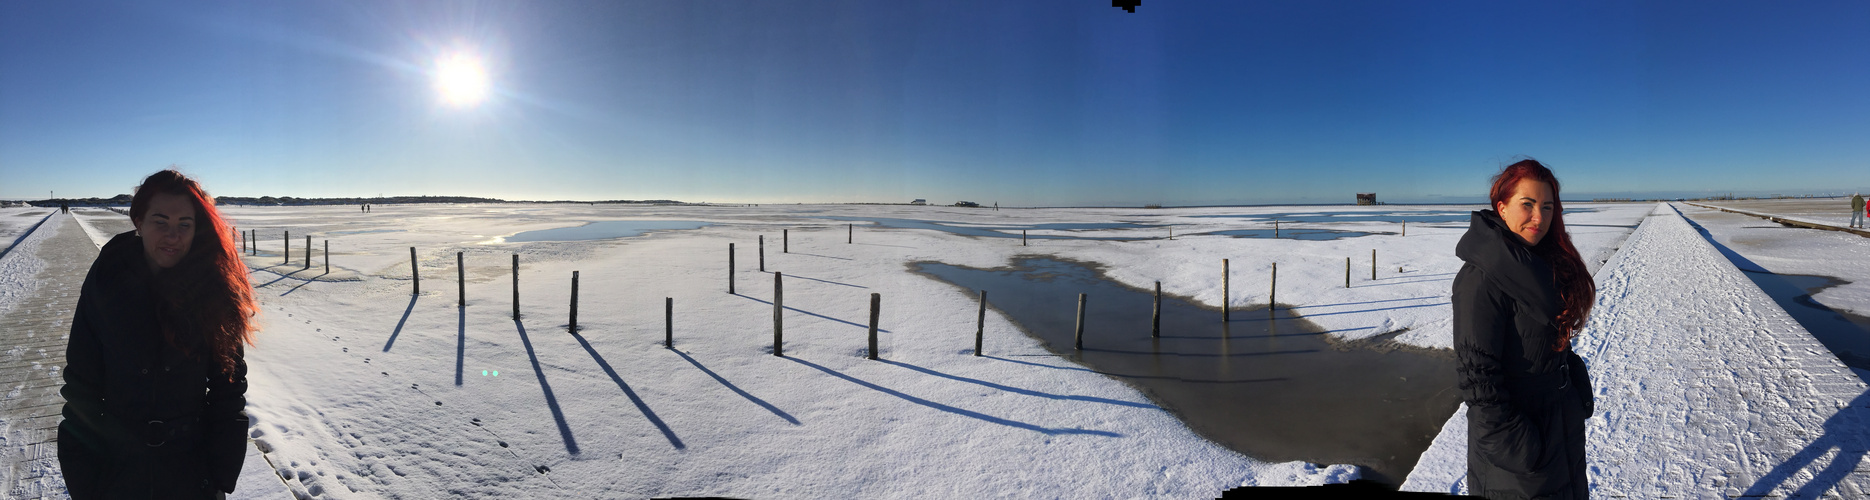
[603, 230]
[1274, 389]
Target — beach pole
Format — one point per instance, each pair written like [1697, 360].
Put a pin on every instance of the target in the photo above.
[1079, 330]
[516, 287]
[1022, 237]
[1272, 300]
[308, 251]
[762, 253]
[415, 280]
[1275, 229]
[730, 268]
[980, 323]
[574, 303]
[668, 322]
[876, 303]
[460, 280]
[850, 233]
[1224, 290]
[1405, 227]
[779, 305]
[1373, 264]
[785, 241]
[1155, 316]
[327, 256]
[1347, 272]
[286, 249]
[1171, 232]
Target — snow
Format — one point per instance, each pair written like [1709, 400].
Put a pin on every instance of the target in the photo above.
[1705, 387]
[1778, 249]
[20, 267]
[359, 390]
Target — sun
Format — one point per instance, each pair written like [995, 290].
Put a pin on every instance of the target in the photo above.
[461, 80]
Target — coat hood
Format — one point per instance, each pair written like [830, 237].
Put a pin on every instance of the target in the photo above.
[1510, 264]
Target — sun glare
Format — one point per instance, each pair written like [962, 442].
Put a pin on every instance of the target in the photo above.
[461, 80]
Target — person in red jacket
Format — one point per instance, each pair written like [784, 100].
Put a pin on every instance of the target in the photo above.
[155, 380]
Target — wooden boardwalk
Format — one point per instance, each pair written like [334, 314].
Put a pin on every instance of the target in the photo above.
[32, 351]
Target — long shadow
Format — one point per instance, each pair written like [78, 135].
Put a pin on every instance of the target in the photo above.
[22, 236]
[640, 406]
[281, 277]
[1361, 303]
[794, 309]
[816, 255]
[1139, 377]
[1843, 431]
[1844, 339]
[1203, 355]
[1406, 282]
[1017, 390]
[824, 281]
[302, 284]
[1314, 315]
[951, 409]
[732, 387]
[551, 401]
[460, 342]
[399, 323]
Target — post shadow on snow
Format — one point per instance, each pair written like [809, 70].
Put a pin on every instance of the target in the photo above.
[460, 341]
[1135, 376]
[1017, 390]
[736, 389]
[816, 255]
[306, 282]
[1843, 431]
[551, 401]
[821, 281]
[1847, 340]
[399, 325]
[951, 409]
[795, 309]
[638, 401]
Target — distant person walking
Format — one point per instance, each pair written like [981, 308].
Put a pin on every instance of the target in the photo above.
[1857, 210]
[1518, 299]
[155, 379]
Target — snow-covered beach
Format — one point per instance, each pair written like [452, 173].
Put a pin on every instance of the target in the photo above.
[363, 390]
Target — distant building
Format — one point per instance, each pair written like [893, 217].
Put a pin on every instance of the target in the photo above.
[1366, 198]
[966, 204]
[919, 201]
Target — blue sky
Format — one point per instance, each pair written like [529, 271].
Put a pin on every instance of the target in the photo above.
[1032, 103]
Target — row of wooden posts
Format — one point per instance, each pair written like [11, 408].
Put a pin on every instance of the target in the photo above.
[249, 243]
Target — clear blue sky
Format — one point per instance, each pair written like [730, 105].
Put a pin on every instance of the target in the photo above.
[1028, 103]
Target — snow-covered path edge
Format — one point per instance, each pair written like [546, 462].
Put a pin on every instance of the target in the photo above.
[1704, 385]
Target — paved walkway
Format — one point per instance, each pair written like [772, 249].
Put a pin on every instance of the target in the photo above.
[33, 337]
[1706, 388]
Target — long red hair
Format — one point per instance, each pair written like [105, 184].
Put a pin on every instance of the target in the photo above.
[1576, 289]
[206, 298]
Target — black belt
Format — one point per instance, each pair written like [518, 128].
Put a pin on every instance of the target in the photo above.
[158, 432]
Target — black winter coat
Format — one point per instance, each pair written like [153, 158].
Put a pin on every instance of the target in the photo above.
[1526, 403]
[143, 420]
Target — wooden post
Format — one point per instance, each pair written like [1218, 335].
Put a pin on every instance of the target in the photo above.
[1224, 290]
[1272, 299]
[1171, 232]
[415, 280]
[1405, 229]
[876, 303]
[1079, 331]
[574, 303]
[730, 268]
[1022, 237]
[515, 287]
[980, 324]
[285, 250]
[327, 256]
[779, 306]
[850, 236]
[1275, 229]
[785, 241]
[668, 322]
[1347, 272]
[460, 280]
[308, 251]
[1155, 317]
[1373, 264]
[762, 253]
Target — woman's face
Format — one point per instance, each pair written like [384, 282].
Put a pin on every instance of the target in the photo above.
[1528, 213]
[168, 228]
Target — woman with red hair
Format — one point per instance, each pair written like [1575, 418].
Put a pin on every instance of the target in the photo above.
[1521, 295]
[155, 382]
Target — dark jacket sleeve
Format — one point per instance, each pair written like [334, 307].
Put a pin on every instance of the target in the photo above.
[1482, 321]
[225, 424]
[85, 436]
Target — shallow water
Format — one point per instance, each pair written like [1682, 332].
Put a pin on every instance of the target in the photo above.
[1275, 389]
[1846, 335]
[1425, 216]
[1009, 231]
[603, 230]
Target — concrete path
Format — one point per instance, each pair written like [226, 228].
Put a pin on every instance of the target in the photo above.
[33, 334]
[1705, 387]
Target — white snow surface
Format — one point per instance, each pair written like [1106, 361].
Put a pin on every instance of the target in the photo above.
[19, 269]
[1786, 250]
[1705, 387]
[354, 387]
